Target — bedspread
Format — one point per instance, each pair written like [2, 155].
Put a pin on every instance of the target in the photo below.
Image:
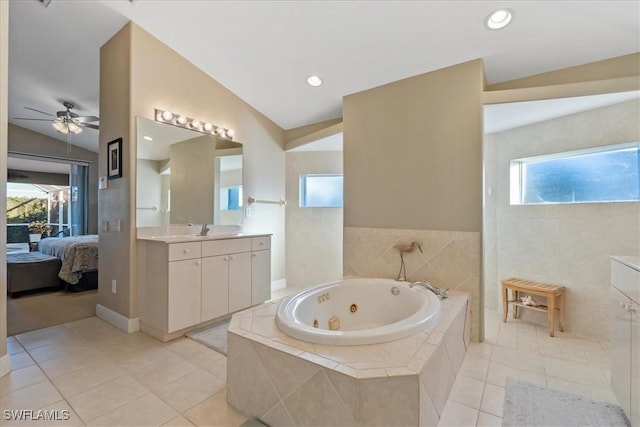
[78, 254]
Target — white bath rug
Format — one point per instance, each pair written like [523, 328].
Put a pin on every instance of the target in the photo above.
[531, 405]
[214, 337]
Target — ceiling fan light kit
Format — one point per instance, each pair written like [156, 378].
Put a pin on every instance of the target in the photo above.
[168, 117]
[66, 121]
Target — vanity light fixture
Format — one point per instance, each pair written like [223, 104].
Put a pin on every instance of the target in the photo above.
[314, 81]
[147, 137]
[179, 120]
[499, 19]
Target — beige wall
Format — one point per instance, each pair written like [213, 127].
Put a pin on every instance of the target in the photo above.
[138, 74]
[568, 244]
[26, 141]
[4, 64]
[314, 235]
[413, 152]
[413, 172]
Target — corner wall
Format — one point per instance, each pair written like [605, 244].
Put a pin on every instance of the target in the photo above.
[138, 74]
[566, 244]
[314, 235]
[413, 172]
[4, 79]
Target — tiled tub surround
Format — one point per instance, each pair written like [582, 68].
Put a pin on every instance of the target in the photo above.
[284, 381]
[450, 259]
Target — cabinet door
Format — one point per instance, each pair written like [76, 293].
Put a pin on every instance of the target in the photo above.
[215, 287]
[184, 294]
[260, 276]
[621, 350]
[239, 281]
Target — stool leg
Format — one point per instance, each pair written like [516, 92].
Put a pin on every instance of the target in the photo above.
[505, 304]
[516, 296]
[560, 311]
[551, 309]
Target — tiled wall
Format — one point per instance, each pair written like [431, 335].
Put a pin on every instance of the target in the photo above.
[567, 244]
[450, 259]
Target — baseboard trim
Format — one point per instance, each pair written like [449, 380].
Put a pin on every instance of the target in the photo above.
[278, 284]
[5, 365]
[118, 320]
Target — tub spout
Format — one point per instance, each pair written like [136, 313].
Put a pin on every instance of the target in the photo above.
[441, 293]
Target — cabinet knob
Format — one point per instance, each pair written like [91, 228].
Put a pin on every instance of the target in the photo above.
[231, 258]
[224, 258]
[198, 262]
[186, 251]
[253, 255]
[631, 308]
[261, 244]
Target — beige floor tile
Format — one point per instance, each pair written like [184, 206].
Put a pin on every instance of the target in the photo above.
[219, 369]
[194, 352]
[103, 336]
[163, 372]
[488, 420]
[85, 378]
[88, 326]
[467, 391]
[215, 412]
[35, 396]
[72, 362]
[20, 360]
[190, 390]
[45, 336]
[14, 346]
[492, 400]
[518, 359]
[178, 421]
[481, 350]
[474, 367]
[65, 348]
[123, 344]
[148, 410]
[106, 397]
[498, 374]
[575, 372]
[20, 378]
[457, 415]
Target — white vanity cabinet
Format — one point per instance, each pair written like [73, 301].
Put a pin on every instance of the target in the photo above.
[625, 335]
[185, 284]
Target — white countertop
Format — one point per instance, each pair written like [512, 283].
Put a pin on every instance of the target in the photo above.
[630, 261]
[185, 238]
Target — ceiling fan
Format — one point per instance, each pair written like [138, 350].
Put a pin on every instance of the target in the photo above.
[66, 121]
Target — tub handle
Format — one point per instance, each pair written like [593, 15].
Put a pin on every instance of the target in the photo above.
[395, 290]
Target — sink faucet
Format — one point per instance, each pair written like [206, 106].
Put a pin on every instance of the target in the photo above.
[441, 293]
[204, 230]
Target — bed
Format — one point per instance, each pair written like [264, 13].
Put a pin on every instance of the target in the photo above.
[79, 255]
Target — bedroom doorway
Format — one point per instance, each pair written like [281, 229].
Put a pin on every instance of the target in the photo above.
[46, 198]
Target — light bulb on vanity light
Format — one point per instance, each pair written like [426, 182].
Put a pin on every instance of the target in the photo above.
[195, 123]
[182, 120]
[167, 116]
[208, 127]
[229, 133]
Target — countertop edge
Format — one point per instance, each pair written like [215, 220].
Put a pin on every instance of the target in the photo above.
[189, 239]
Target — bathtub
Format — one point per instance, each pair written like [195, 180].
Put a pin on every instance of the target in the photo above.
[361, 311]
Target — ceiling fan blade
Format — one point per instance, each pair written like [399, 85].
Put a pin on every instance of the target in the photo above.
[85, 119]
[28, 118]
[38, 111]
[88, 125]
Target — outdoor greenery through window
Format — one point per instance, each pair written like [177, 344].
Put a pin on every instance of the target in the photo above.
[321, 191]
[605, 174]
[35, 203]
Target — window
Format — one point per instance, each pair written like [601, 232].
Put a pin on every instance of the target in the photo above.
[605, 174]
[321, 191]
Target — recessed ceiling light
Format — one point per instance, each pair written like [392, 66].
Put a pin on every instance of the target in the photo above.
[314, 81]
[148, 138]
[499, 19]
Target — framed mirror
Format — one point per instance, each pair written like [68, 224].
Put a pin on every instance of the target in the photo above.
[184, 176]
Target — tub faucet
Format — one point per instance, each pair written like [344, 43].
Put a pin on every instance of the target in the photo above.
[204, 230]
[441, 293]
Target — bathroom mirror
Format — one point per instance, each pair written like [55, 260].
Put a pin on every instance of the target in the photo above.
[184, 176]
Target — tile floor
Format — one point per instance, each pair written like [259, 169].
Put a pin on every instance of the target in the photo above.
[103, 376]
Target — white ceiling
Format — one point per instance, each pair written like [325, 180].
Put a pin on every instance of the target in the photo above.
[263, 51]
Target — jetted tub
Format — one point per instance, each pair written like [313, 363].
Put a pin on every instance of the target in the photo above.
[368, 311]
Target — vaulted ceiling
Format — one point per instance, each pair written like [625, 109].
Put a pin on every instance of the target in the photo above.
[263, 51]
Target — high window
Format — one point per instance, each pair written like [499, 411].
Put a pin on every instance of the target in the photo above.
[321, 191]
[604, 174]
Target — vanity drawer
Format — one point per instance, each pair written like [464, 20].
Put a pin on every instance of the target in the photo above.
[260, 243]
[180, 251]
[226, 246]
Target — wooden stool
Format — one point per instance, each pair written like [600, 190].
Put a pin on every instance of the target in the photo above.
[550, 292]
